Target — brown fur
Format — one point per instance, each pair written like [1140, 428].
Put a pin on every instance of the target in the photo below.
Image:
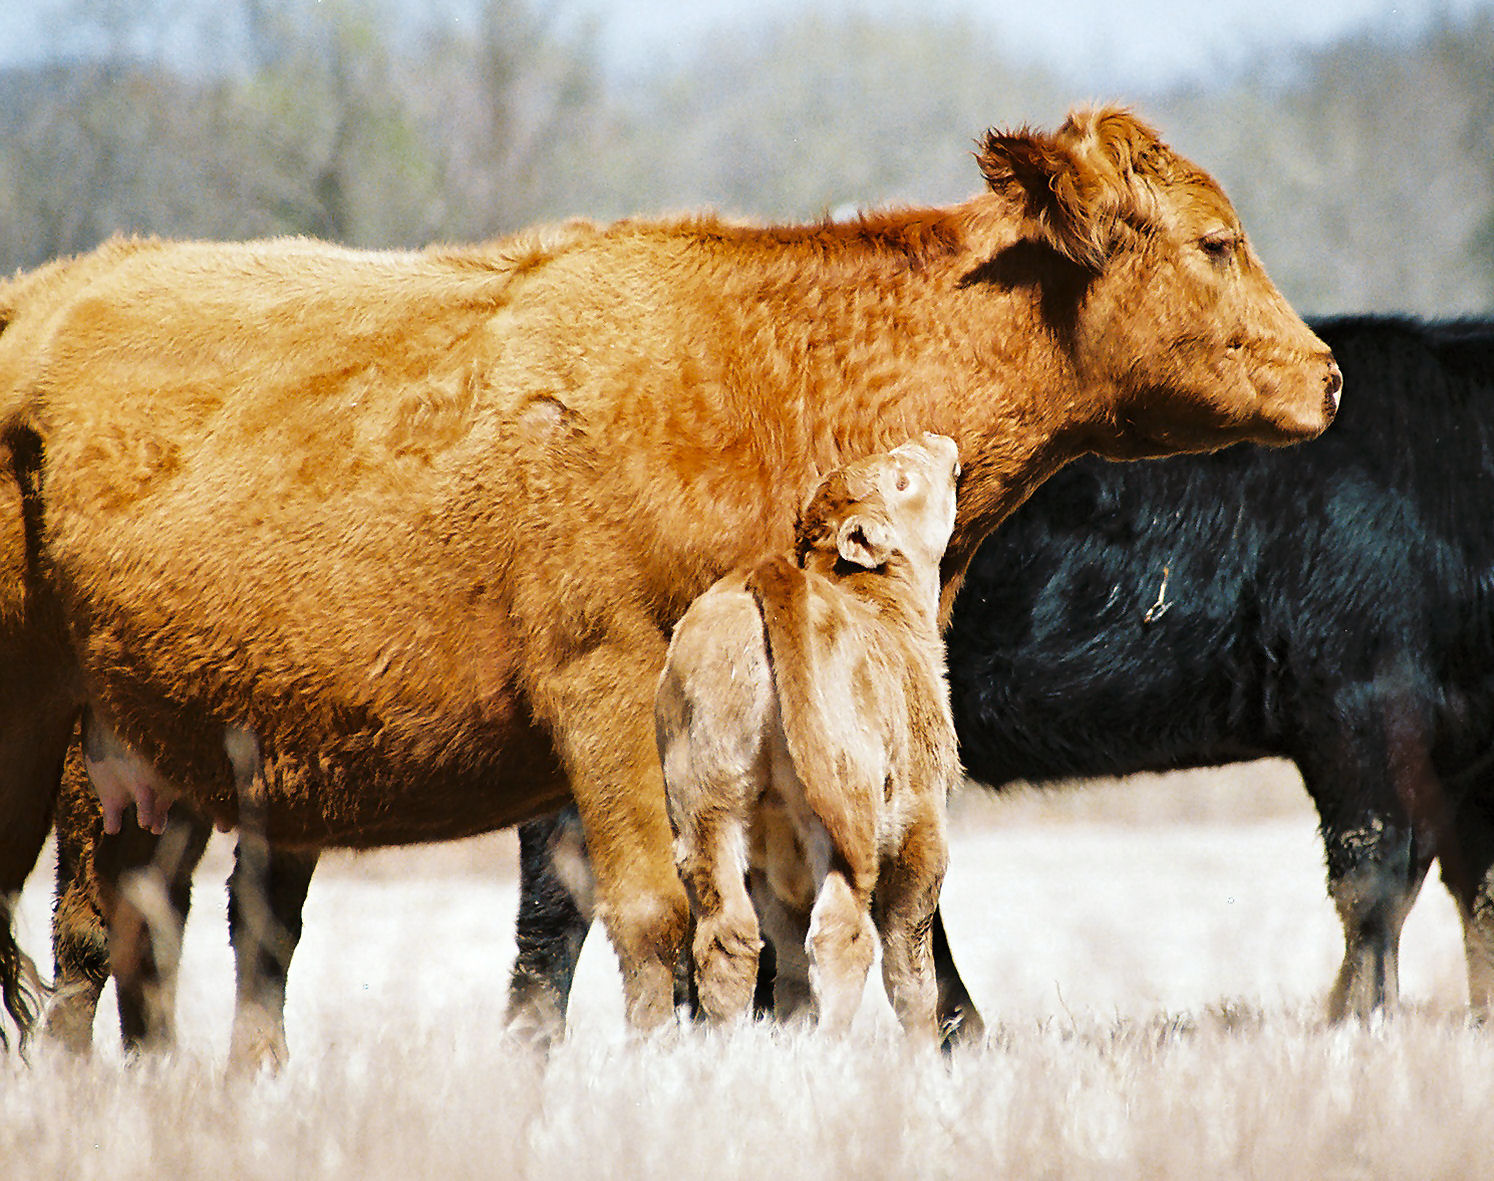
[415, 526]
[804, 728]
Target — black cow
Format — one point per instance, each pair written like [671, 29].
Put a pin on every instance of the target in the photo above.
[1332, 603]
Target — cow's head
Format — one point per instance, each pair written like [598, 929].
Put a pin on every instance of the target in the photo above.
[896, 504]
[1147, 278]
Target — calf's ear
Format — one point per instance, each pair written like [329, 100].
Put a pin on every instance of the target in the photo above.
[864, 541]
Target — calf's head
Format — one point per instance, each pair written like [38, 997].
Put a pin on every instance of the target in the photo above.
[896, 506]
[1147, 279]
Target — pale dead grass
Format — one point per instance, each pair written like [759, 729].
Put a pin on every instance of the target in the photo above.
[1221, 1093]
[1152, 971]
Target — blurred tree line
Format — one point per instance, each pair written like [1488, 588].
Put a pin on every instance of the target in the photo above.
[1364, 171]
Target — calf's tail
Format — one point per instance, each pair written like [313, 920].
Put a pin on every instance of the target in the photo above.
[782, 593]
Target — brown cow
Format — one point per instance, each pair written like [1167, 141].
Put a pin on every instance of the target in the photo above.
[805, 734]
[386, 547]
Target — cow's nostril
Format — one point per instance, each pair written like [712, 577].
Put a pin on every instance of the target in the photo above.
[1333, 386]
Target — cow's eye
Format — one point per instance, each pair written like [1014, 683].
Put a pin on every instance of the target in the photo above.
[1219, 246]
[902, 481]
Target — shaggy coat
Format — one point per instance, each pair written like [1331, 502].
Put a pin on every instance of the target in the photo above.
[804, 729]
[382, 547]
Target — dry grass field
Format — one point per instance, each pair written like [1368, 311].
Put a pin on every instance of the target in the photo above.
[1151, 956]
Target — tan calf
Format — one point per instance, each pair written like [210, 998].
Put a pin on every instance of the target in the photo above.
[803, 722]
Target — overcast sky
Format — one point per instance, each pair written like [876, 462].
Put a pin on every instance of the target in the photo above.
[1107, 44]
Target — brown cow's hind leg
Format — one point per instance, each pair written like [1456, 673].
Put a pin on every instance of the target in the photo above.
[32, 745]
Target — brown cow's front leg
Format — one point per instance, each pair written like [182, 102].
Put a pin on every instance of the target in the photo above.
[600, 710]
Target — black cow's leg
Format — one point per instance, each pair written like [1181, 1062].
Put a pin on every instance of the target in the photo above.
[1381, 810]
[266, 896]
[556, 906]
[1467, 857]
[1375, 869]
[960, 1022]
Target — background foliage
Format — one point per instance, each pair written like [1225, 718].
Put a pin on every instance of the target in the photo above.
[1362, 170]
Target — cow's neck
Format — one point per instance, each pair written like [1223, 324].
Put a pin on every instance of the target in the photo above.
[913, 349]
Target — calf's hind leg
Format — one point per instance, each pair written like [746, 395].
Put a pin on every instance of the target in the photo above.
[727, 942]
[904, 902]
[842, 944]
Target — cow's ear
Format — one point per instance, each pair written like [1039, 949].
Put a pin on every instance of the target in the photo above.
[1098, 170]
[864, 541]
[1055, 188]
